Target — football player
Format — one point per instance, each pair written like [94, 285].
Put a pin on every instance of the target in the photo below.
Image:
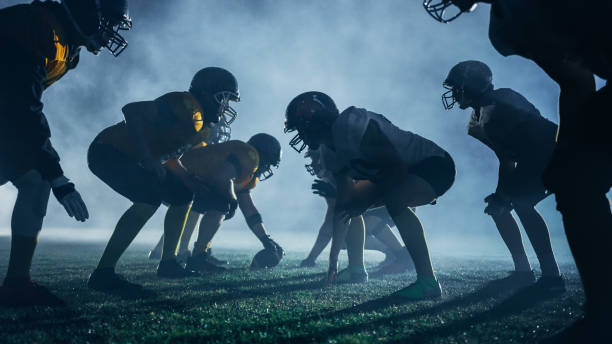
[394, 168]
[42, 42]
[570, 41]
[377, 222]
[138, 158]
[523, 141]
[219, 133]
[230, 170]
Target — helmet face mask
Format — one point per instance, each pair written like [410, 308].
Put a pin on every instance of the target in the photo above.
[99, 22]
[466, 82]
[226, 112]
[270, 153]
[443, 11]
[111, 38]
[311, 114]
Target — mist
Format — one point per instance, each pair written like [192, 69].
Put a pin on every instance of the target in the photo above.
[387, 56]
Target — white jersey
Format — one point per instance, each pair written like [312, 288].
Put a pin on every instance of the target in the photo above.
[365, 143]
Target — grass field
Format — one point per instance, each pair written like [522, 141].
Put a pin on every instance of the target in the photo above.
[285, 304]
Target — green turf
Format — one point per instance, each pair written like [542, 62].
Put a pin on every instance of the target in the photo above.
[285, 304]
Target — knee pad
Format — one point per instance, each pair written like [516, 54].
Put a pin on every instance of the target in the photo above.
[33, 193]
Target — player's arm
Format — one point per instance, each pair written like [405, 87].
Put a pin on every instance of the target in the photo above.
[191, 181]
[254, 220]
[140, 118]
[499, 202]
[577, 84]
[324, 235]
[222, 180]
[30, 125]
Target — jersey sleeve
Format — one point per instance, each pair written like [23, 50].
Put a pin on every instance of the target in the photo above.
[509, 112]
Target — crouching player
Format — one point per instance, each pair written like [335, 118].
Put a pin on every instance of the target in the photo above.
[230, 171]
[42, 41]
[523, 141]
[395, 168]
[377, 222]
[138, 159]
[218, 134]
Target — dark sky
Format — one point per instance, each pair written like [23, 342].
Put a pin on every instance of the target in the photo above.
[387, 56]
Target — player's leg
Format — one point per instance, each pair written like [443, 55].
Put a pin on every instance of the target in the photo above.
[129, 179]
[538, 234]
[414, 191]
[128, 226]
[209, 226]
[26, 223]
[355, 240]
[511, 235]
[156, 252]
[190, 225]
[421, 185]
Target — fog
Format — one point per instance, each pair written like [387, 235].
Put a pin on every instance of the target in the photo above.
[387, 56]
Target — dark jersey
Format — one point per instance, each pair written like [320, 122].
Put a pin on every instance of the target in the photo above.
[513, 127]
[36, 53]
[543, 30]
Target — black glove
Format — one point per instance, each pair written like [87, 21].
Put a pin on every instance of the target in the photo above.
[497, 204]
[232, 209]
[324, 189]
[270, 244]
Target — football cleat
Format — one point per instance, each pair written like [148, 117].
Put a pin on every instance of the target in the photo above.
[214, 260]
[183, 256]
[349, 276]
[550, 285]
[424, 288]
[201, 263]
[172, 269]
[107, 280]
[28, 294]
[515, 280]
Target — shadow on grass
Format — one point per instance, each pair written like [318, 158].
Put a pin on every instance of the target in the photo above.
[515, 303]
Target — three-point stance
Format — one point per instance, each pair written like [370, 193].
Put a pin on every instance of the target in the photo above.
[42, 42]
[230, 171]
[395, 168]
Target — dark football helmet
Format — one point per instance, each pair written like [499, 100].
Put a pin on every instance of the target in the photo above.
[466, 81]
[309, 114]
[220, 133]
[214, 88]
[442, 12]
[270, 152]
[99, 22]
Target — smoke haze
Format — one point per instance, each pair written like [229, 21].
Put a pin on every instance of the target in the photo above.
[387, 56]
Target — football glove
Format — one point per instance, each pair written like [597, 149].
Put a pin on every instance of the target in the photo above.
[497, 204]
[324, 189]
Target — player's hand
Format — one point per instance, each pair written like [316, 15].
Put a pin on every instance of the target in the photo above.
[497, 204]
[68, 197]
[324, 189]
[233, 205]
[155, 167]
